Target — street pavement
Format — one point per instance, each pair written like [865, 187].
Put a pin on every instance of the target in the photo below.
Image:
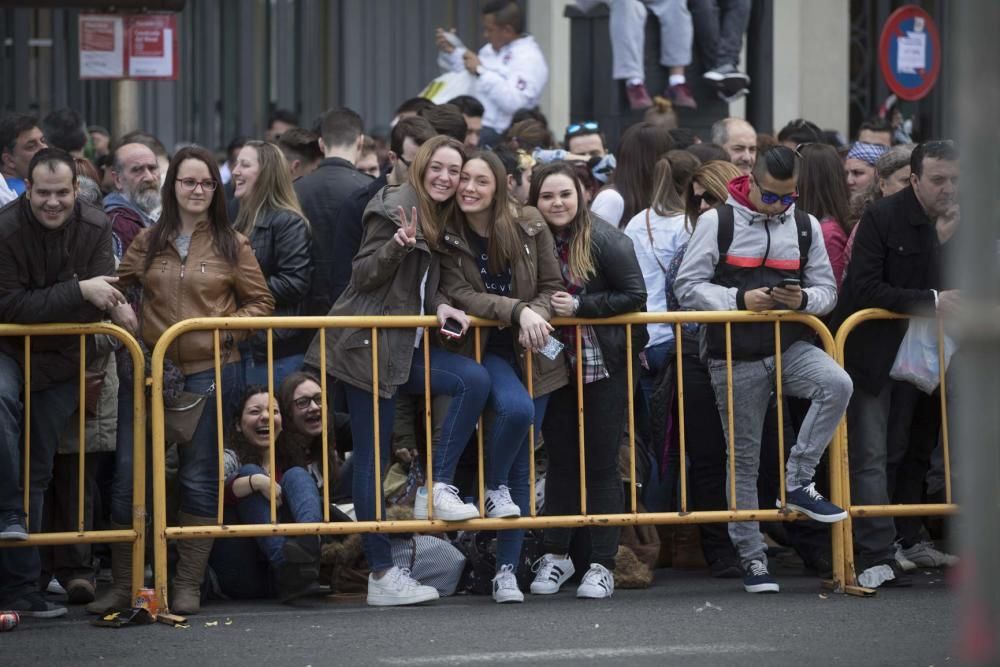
[684, 618]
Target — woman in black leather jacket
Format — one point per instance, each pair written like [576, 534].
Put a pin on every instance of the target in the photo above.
[270, 216]
[602, 278]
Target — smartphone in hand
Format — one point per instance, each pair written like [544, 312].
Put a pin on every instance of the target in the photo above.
[452, 328]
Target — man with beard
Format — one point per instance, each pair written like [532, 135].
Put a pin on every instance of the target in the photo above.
[901, 244]
[55, 266]
[136, 203]
[740, 141]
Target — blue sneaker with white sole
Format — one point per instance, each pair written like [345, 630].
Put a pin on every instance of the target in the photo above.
[809, 501]
[758, 580]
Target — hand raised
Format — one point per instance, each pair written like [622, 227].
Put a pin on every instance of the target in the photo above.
[406, 235]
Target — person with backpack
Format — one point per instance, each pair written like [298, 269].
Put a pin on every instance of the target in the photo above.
[757, 253]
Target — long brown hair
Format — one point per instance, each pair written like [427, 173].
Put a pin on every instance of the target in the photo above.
[504, 239]
[823, 185]
[272, 191]
[666, 201]
[714, 176]
[640, 148]
[223, 234]
[432, 215]
[581, 258]
[246, 452]
[301, 448]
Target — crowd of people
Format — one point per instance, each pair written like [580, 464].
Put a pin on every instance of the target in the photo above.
[468, 210]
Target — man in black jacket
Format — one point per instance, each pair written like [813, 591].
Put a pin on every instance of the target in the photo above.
[55, 263]
[322, 192]
[895, 265]
[407, 136]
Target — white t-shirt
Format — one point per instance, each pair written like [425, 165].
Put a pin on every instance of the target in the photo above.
[609, 205]
[669, 233]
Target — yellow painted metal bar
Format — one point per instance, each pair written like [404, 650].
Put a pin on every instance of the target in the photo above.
[327, 480]
[682, 437]
[81, 412]
[943, 391]
[27, 432]
[272, 469]
[376, 431]
[631, 417]
[579, 418]
[782, 487]
[220, 442]
[480, 436]
[529, 364]
[729, 413]
[428, 424]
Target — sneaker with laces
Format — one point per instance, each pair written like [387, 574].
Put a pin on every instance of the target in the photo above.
[597, 583]
[447, 505]
[809, 501]
[680, 95]
[758, 580]
[905, 563]
[12, 526]
[726, 74]
[397, 587]
[499, 504]
[505, 587]
[551, 572]
[34, 605]
[925, 554]
[638, 97]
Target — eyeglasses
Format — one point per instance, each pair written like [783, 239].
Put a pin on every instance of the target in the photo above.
[773, 198]
[404, 160]
[305, 401]
[798, 149]
[190, 184]
[582, 128]
[707, 197]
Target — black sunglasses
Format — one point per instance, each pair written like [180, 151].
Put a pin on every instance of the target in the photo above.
[707, 197]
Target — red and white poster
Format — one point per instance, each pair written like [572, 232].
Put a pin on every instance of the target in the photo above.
[133, 47]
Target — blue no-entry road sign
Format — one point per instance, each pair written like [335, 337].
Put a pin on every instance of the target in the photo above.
[910, 52]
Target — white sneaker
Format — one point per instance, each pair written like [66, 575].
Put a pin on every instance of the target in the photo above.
[875, 576]
[551, 572]
[396, 588]
[447, 505]
[924, 554]
[597, 583]
[505, 586]
[499, 504]
[905, 563]
[55, 588]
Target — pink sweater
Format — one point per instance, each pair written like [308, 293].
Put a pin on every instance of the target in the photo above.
[835, 239]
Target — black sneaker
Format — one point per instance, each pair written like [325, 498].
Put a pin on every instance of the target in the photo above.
[34, 605]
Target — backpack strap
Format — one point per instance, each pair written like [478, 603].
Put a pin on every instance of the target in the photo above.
[803, 227]
[724, 236]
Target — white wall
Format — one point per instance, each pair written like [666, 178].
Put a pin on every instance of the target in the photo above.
[811, 62]
[548, 25]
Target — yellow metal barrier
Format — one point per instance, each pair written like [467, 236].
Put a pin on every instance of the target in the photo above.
[861, 511]
[163, 533]
[136, 535]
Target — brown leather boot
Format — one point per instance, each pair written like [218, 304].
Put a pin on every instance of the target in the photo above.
[120, 595]
[186, 596]
[687, 554]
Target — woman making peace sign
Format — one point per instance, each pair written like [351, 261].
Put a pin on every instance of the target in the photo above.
[396, 273]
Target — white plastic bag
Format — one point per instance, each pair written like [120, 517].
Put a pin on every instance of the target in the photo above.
[449, 85]
[917, 358]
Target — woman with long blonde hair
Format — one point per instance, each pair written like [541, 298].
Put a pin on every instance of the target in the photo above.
[270, 216]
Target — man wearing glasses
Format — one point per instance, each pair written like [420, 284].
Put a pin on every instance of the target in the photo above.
[756, 252]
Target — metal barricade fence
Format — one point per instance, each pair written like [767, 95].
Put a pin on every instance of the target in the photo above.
[135, 535]
[163, 533]
[862, 511]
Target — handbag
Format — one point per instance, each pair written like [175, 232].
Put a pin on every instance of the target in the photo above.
[182, 411]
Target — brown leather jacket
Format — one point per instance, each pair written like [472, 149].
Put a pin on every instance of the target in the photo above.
[385, 280]
[535, 277]
[204, 285]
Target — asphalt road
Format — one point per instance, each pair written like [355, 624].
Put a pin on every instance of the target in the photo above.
[685, 618]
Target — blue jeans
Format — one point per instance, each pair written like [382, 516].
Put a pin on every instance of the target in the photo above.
[465, 381]
[50, 409]
[301, 504]
[508, 448]
[199, 460]
[255, 372]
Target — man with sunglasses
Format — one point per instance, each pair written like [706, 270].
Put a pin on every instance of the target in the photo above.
[585, 139]
[756, 252]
